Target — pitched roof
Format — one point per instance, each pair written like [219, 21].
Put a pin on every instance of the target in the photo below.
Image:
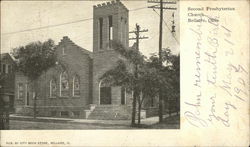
[6, 56]
[3, 55]
[66, 39]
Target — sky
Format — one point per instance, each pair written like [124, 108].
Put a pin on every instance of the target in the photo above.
[17, 16]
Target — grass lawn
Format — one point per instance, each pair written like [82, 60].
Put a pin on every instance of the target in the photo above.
[172, 122]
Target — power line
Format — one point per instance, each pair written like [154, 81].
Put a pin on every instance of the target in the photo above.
[167, 27]
[49, 26]
[161, 101]
[56, 25]
[151, 45]
[137, 32]
[137, 9]
[164, 2]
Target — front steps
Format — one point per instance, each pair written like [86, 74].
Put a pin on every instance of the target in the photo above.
[110, 112]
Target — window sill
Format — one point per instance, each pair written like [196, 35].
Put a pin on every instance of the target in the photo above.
[75, 96]
[28, 106]
[105, 50]
[64, 97]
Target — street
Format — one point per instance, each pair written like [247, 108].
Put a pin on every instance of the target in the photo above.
[31, 125]
[169, 123]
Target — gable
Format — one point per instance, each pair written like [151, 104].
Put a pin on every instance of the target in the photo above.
[68, 47]
[6, 58]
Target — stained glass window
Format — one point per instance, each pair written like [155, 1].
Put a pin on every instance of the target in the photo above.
[64, 88]
[52, 88]
[20, 91]
[76, 86]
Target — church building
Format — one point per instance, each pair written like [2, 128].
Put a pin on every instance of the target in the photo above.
[72, 88]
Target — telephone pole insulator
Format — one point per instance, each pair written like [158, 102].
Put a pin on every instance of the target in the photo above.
[137, 32]
[173, 25]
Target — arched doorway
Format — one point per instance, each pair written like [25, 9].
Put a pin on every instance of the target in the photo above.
[104, 94]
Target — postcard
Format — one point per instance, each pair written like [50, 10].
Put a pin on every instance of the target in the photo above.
[124, 73]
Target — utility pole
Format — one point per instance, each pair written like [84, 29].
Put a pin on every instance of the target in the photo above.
[161, 101]
[136, 90]
[137, 34]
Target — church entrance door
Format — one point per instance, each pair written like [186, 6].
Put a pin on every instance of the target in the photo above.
[105, 95]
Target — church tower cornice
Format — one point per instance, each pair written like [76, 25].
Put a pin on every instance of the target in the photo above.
[110, 5]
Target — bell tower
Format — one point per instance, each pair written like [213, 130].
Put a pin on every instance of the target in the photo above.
[110, 25]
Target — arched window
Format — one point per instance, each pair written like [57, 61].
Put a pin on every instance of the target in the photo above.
[76, 86]
[52, 85]
[20, 94]
[64, 84]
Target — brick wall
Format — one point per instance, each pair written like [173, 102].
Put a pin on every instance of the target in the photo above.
[105, 58]
[102, 62]
[75, 61]
[120, 23]
[19, 103]
[89, 67]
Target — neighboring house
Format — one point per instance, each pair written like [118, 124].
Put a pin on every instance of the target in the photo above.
[7, 79]
[73, 88]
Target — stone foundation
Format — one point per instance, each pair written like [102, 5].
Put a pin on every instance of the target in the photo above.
[70, 112]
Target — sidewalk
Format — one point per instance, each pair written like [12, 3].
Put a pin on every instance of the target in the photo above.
[146, 121]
